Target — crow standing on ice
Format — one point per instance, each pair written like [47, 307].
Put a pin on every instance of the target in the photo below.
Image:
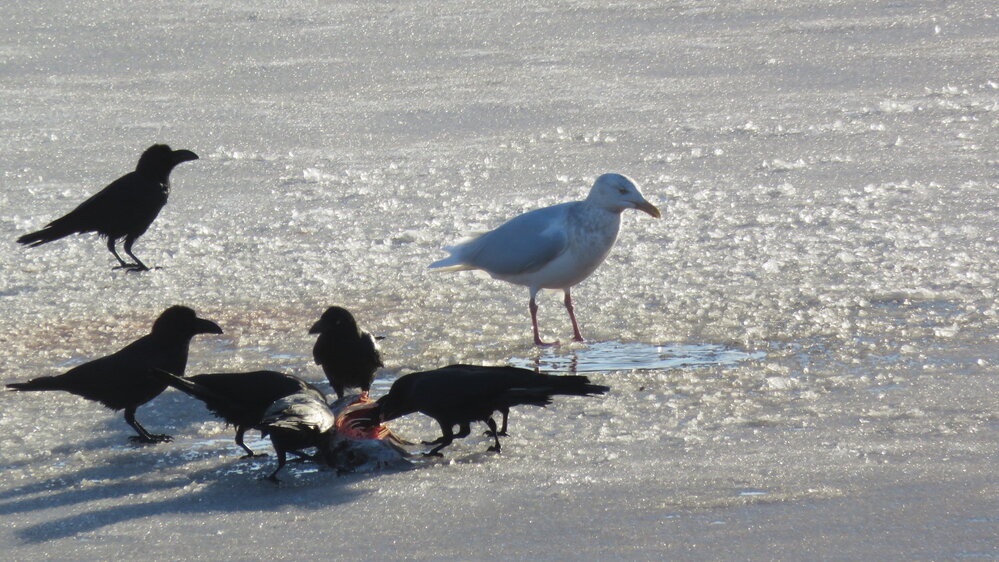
[122, 380]
[123, 209]
[348, 355]
[461, 394]
[241, 399]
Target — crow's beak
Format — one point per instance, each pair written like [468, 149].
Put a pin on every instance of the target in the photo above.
[649, 208]
[203, 326]
[183, 156]
[316, 328]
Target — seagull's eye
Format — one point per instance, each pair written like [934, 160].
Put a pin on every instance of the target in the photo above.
[622, 190]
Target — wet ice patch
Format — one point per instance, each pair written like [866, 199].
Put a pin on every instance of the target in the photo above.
[619, 356]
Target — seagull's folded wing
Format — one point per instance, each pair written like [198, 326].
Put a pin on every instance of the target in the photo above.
[522, 245]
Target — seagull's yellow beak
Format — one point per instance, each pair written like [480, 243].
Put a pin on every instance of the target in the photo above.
[649, 208]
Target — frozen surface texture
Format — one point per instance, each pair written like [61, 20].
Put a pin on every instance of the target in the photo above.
[828, 175]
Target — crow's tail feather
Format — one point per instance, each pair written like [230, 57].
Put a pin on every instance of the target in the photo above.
[53, 231]
[527, 397]
[41, 383]
[189, 387]
[575, 385]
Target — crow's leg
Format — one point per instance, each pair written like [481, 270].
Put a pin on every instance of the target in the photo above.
[440, 439]
[445, 440]
[281, 460]
[138, 265]
[143, 435]
[121, 263]
[338, 388]
[502, 431]
[240, 430]
[492, 426]
[464, 429]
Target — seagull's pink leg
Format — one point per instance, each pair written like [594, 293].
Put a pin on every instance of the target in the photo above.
[576, 336]
[534, 324]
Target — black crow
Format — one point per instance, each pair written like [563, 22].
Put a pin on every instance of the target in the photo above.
[123, 209]
[291, 411]
[297, 422]
[505, 412]
[122, 380]
[348, 355]
[239, 398]
[461, 394]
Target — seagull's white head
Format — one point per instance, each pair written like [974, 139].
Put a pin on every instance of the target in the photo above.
[617, 192]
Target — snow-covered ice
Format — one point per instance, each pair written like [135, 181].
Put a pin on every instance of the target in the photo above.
[802, 353]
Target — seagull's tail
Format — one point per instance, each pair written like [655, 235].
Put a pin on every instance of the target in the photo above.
[449, 265]
[452, 262]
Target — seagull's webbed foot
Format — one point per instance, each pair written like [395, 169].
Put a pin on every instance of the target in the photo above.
[539, 343]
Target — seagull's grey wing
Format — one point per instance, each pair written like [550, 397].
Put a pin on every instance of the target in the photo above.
[521, 245]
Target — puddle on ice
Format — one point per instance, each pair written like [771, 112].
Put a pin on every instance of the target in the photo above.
[617, 356]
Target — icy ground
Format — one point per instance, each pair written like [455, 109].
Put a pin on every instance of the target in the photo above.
[828, 173]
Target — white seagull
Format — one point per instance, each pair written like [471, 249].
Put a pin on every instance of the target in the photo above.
[555, 247]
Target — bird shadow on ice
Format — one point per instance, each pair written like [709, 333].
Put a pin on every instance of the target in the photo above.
[620, 356]
[60, 454]
[199, 492]
[95, 481]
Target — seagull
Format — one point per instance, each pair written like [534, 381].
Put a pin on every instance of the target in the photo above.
[555, 247]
